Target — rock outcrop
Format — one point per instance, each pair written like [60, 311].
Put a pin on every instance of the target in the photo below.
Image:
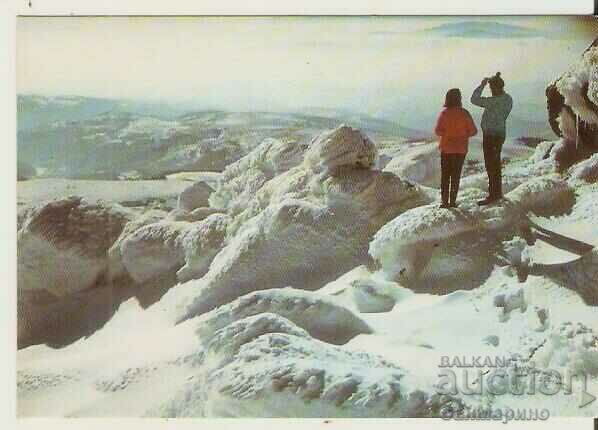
[443, 250]
[63, 245]
[572, 102]
[305, 226]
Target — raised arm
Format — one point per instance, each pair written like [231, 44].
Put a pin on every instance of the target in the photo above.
[476, 97]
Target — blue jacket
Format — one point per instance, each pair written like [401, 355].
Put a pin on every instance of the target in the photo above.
[496, 111]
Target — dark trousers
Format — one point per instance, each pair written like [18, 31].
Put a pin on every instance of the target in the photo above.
[492, 145]
[450, 166]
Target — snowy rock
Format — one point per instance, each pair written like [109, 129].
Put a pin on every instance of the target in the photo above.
[578, 87]
[165, 248]
[425, 245]
[313, 312]
[304, 243]
[301, 228]
[282, 374]
[549, 195]
[154, 250]
[116, 268]
[63, 245]
[586, 170]
[373, 297]
[243, 178]
[195, 196]
[223, 343]
[201, 243]
[573, 111]
[343, 146]
[419, 164]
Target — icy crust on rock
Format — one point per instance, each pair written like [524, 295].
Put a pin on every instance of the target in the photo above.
[243, 178]
[266, 366]
[343, 146]
[426, 244]
[116, 267]
[63, 245]
[419, 164]
[303, 229]
[579, 87]
[163, 248]
[317, 314]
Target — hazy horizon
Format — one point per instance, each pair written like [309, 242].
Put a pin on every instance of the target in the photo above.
[373, 65]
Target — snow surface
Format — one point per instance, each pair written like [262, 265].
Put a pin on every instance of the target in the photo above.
[358, 334]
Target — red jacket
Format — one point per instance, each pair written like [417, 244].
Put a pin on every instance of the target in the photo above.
[455, 126]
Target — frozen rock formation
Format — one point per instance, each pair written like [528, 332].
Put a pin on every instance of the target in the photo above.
[419, 163]
[265, 365]
[63, 245]
[201, 243]
[313, 312]
[343, 146]
[154, 250]
[116, 267]
[439, 248]
[243, 178]
[165, 248]
[374, 296]
[195, 196]
[305, 228]
[573, 109]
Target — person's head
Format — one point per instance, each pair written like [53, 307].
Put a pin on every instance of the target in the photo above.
[453, 98]
[497, 84]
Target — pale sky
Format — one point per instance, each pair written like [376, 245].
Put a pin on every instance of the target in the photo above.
[367, 64]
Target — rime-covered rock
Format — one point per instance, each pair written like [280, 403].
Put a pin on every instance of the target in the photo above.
[63, 245]
[167, 248]
[438, 248]
[573, 109]
[201, 243]
[343, 146]
[241, 179]
[266, 366]
[313, 312]
[116, 267]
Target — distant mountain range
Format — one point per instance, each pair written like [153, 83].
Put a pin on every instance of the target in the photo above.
[81, 137]
[94, 138]
[484, 29]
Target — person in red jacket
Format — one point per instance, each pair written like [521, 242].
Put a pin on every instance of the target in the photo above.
[454, 127]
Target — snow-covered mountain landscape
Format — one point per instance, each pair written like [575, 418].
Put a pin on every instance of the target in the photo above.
[175, 262]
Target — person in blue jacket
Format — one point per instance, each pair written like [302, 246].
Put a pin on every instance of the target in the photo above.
[496, 111]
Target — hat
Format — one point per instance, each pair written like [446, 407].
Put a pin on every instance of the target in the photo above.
[496, 81]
